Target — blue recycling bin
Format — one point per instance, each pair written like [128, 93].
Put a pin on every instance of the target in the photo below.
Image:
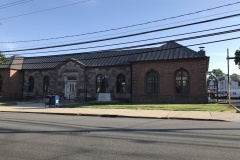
[52, 100]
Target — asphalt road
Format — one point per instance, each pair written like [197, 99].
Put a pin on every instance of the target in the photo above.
[59, 137]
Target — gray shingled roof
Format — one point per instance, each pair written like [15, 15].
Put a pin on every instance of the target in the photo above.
[14, 62]
[17, 62]
[169, 51]
[234, 78]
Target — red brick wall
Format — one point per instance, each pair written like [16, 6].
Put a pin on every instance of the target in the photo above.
[197, 71]
[15, 88]
[5, 73]
[12, 82]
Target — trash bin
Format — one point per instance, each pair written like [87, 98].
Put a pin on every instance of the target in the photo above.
[52, 100]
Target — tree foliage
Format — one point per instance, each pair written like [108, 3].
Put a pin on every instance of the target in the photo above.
[2, 58]
[235, 75]
[237, 59]
[217, 72]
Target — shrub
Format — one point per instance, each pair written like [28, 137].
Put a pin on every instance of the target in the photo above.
[103, 102]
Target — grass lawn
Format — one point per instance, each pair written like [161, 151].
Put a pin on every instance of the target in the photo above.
[172, 107]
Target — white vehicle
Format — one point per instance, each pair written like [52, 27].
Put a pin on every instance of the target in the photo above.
[235, 93]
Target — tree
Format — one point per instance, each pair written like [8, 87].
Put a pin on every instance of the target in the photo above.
[237, 59]
[2, 58]
[235, 75]
[218, 72]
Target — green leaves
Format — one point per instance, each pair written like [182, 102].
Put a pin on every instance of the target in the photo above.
[2, 58]
[218, 72]
[237, 58]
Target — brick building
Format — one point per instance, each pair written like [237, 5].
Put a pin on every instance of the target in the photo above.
[171, 73]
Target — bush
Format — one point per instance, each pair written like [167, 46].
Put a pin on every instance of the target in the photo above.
[8, 103]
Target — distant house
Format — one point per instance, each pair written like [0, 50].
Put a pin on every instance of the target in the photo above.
[171, 73]
[223, 83]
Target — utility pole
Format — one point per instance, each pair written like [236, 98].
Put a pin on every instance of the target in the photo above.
[229, 99]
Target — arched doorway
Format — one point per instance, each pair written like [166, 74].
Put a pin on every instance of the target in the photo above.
[212, 88]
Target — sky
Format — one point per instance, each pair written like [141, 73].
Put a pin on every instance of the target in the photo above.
[40, 22]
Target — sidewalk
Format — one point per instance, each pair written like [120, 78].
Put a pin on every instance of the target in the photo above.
[194, 115]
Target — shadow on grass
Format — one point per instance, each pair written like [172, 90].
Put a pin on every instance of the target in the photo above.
[171, 107]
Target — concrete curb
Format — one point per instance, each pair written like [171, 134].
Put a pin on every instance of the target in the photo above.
[117, 116]
[238, 110]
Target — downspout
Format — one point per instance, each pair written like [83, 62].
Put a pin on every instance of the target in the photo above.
[85, 84]
[22, 84]
[131, 84]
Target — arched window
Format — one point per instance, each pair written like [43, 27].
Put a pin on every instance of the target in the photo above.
[1, 83]
[99, 86]
[30, 84]
[152, 82]
[121, 84]
[182, 82]
[46, 84]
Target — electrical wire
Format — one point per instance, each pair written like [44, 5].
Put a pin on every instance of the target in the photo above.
[129, 26]
[143, 45]
[110, 34]
[115, 33]
[125, 36]
[45, 10]
[14, 4]
[197, 44]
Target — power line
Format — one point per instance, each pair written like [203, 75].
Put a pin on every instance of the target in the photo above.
[44, 10]
[204, 43]
[187, 38]
[125, 36]
[130, 26]
[116, 33]
[36, 40]
[143, 45]
[14, 3]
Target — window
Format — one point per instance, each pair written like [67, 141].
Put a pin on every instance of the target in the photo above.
[151, 82]
[1, 83]
[121, 83]
[46, 84]
[99, 83]
[30, 84]
[181, 82]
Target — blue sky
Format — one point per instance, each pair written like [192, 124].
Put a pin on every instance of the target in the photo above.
[97, 15]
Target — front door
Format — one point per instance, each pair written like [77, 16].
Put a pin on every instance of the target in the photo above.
[70, 90]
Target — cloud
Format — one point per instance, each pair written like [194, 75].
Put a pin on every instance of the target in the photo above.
[9, 46]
